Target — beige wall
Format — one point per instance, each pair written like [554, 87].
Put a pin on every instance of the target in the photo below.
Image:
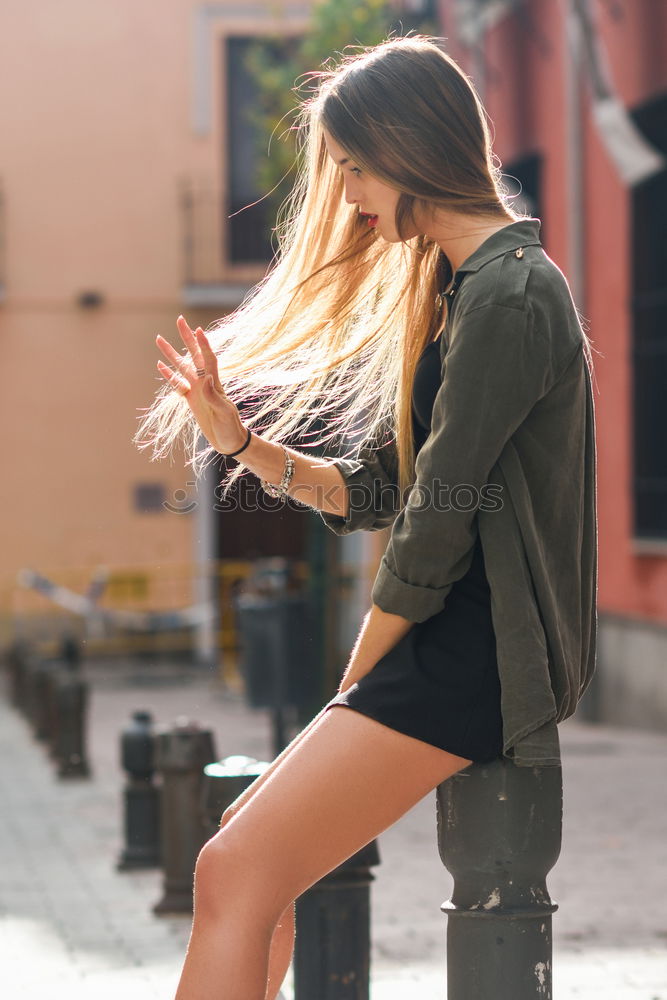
[102, 114]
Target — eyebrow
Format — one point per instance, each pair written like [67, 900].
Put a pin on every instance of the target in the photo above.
[344, 160]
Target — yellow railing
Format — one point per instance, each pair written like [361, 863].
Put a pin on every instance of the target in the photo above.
[166, 587]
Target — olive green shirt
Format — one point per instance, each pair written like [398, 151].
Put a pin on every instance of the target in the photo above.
[511, 455]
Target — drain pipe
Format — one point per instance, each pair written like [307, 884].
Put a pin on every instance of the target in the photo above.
[574, 156]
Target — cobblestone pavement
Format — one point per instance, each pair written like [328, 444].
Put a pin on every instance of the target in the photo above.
[72, 927]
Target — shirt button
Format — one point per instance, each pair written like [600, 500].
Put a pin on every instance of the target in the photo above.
[519, 253]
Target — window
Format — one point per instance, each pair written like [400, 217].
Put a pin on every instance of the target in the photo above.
[248, 234]
[149, 498]
[649, 335]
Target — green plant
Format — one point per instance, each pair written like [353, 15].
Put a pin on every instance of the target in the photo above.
[280, 66]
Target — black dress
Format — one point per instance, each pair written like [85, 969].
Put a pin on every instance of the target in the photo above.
[440, 682]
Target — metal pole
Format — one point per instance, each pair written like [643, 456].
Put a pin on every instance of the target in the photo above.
[333, 941]
[574, 157]
[181, 755]
[40, 714]
[141, 797]
[17, 661]
[499, 832]
[224, 780]
[70, 697]
[206, 582]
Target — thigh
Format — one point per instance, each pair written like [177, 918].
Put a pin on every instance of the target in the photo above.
[347, 780]
[254, 787]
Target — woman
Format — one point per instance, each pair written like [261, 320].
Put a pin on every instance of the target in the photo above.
[407, 297]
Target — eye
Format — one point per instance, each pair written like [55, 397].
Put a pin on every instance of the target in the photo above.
[355, 170]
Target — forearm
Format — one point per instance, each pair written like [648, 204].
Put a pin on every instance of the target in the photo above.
[380, 632]
[316, 481]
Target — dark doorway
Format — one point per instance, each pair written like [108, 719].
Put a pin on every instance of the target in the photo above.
[251, 524]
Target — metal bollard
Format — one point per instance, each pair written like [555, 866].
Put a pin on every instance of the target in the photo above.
[276, 631]
[27, 703]
[499, 833]
[41, 679]
[51, 709]
[333, 940]
[224, 780]
[141, 797]
[181, 754]
[70, 651]
[34, 680]
[18, 655]
[69, 705]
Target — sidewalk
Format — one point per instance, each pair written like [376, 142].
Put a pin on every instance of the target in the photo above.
[71, 927]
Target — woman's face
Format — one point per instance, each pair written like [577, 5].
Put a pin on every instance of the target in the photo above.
[375, 198]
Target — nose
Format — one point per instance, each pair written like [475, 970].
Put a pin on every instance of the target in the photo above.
[350, 194]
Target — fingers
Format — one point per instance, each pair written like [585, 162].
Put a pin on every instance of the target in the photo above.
[179, 362]
[182, 386]
[204, 362]
[210, 360]
[190, 341]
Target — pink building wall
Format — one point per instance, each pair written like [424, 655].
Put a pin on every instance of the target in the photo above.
[525, 95]
[538, 105]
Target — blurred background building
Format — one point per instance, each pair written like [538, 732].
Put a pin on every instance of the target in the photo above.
[132, 180]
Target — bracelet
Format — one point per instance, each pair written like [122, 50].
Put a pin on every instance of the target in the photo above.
[243, 447]
[288, 472]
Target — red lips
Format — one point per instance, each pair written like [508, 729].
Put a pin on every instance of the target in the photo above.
[372, 219]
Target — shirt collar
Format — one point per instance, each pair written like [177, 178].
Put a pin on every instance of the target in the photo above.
[524, 233]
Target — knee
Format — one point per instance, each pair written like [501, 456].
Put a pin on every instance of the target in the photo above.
[217, 874]
[229, 879]
[225, 873]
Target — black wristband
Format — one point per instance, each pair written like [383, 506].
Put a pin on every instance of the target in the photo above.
[231, 454]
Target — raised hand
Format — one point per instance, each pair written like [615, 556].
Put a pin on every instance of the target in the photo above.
[196, 379]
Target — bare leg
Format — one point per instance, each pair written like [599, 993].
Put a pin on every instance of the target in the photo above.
[345, 782]
[282, 940]
[280, 953]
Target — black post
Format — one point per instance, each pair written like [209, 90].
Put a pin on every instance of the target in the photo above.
[28, 704]
[17, 661]
[69, 700]
[71, 652]
[141, 797]
[499, 831]
[333, 934]
[224, 781]
[276, 654]
[51, 711]
[41, 679]
[181, 754]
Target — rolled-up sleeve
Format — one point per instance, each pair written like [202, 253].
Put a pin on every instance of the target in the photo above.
[371, 481]
[496, 368]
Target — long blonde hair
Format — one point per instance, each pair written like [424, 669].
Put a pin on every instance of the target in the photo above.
[331, 336]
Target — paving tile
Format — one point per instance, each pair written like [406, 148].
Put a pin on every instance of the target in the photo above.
[70, 922]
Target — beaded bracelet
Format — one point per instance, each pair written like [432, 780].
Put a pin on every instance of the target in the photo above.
[288, 471]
